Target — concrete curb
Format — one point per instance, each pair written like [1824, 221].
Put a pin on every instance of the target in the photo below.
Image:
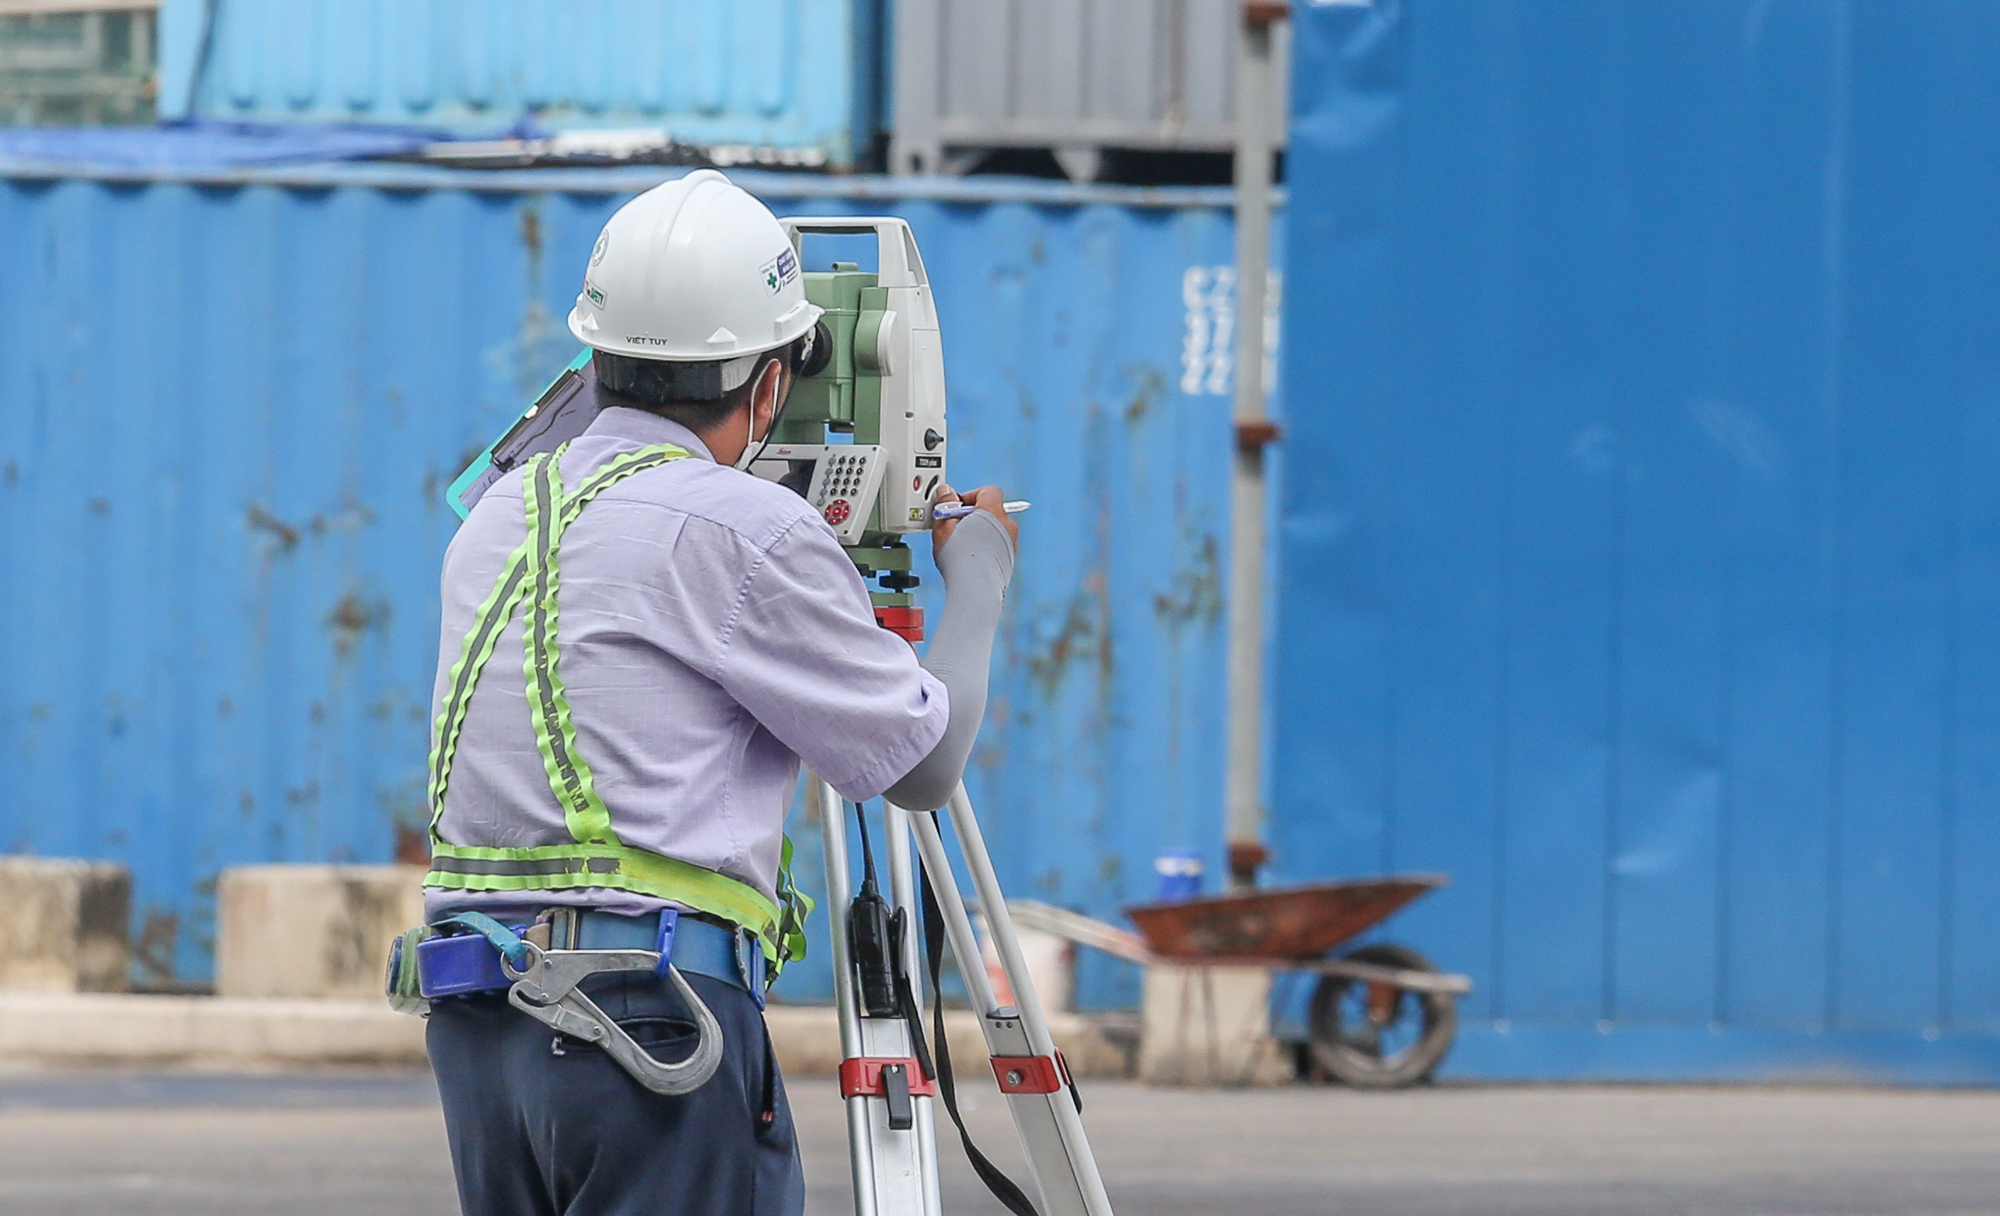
[270, 1032]
[107, 1028]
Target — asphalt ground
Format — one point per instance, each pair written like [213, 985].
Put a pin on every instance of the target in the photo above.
[112, 1144]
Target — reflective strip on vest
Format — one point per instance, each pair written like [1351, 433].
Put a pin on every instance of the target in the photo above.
[597, 858]
[569, 775]
[498, 609]
[501, 865]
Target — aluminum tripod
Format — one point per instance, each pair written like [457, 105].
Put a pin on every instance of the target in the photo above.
[895, 1169]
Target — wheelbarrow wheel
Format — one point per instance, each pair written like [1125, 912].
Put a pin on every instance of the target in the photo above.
[1377, 1036]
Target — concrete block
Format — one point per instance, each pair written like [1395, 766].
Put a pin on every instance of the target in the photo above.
[311, 931]
[1096, 1044]
[64, 924]
[1051, 968]
[1209, 1026]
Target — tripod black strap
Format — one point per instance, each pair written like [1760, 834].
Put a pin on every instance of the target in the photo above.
[1005, 1189]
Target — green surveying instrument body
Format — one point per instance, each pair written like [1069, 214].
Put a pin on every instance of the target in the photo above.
[862, 436]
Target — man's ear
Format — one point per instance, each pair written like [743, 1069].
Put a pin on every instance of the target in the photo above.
[765, 398]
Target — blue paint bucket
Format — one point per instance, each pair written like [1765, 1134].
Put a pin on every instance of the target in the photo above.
[1180, 876]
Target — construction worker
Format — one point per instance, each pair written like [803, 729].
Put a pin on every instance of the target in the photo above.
[677, 637]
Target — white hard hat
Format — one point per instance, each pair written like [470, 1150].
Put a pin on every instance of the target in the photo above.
[695, 269]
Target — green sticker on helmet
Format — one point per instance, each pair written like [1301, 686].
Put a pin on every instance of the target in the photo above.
[779, 271]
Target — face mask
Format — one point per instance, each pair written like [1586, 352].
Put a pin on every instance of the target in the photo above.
[755, 448]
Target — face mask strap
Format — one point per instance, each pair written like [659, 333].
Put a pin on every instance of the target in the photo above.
[753, 449]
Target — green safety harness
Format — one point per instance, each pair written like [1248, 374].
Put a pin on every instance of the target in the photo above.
[597, 858]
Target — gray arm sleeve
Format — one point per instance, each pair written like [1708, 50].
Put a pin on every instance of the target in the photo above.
[976, 563]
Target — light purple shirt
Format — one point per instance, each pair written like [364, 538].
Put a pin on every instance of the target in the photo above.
[711, 635]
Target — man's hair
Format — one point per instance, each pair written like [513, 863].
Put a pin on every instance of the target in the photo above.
[696, 395]
[688, 393]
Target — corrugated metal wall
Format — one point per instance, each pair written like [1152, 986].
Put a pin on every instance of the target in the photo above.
[1081, 74]
[1641, 548]
[785, 73]
[228, 405]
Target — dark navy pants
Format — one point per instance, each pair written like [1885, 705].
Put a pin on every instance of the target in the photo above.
[542, 1124]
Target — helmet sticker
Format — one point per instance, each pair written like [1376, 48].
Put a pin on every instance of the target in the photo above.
[595, 293]
[779, 271]
[603, 243]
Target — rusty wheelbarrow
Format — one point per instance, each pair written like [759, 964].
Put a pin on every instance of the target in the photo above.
[1381, 1015]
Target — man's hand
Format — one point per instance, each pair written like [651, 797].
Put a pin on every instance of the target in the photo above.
[986, 498]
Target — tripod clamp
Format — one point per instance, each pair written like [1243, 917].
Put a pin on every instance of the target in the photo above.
[547, 990]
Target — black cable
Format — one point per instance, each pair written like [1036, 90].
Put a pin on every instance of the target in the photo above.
[1005, 1189]
[204, 50]
[899, 936]
[867, 853]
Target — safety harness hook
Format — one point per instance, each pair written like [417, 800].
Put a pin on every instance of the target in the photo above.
[546, 989]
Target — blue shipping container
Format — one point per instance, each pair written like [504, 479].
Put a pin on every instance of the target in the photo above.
[229, 401]
[766, 73]
[1641, 538]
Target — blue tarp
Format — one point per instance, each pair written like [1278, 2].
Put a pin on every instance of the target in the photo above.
[204, 145]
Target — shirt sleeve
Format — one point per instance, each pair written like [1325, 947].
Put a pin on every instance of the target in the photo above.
[804, 655]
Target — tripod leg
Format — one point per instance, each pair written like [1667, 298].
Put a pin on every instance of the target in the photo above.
[1037, 1086]
[894, 1171]
[903, 894]
[839, 892]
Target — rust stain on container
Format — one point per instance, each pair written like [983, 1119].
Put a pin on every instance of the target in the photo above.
[1152, 388]
[1085, 634]
[1196, 591]
[153, 948]
[531, 235]
[263, 521]
[354, 616]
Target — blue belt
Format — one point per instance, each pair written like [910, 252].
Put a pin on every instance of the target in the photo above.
[466, 964]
